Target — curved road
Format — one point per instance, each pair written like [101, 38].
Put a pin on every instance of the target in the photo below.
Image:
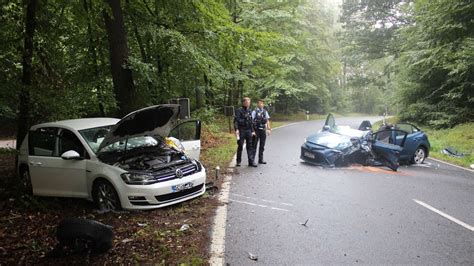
[364, 215]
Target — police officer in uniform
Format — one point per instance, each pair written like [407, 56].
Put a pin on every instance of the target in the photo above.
[244, 130]
[261, 120]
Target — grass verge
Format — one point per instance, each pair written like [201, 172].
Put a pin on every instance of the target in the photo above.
[460, 137]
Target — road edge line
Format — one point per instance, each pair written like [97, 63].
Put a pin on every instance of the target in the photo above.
[450, 164]
[218, 231]
[445, 215]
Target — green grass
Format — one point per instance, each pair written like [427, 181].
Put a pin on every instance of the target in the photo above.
[220, 154]
[461, 138]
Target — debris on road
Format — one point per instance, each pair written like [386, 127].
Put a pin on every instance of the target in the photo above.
[211, 188]
[184, 227]
[142, 224]
[305, 223]
[126, 240]
[252, 256]
[450, 151]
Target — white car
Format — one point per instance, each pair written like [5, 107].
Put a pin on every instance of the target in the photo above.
[129, 163]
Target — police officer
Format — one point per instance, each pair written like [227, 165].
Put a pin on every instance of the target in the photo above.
[245, 131]
[261, 120]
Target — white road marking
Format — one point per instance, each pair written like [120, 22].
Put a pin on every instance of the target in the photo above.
[453, 165]
[264, 200]
[259, 205]
[279, 209]
[422, 165]
[449, 217]
[217, 247]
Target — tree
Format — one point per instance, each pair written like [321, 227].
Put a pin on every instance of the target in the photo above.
[122, 77]
[436, 66]
[26, 80]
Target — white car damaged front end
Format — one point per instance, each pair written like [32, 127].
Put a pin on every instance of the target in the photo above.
[149, 195]
[138, 162]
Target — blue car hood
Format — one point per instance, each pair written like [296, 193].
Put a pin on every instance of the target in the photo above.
[330, 140]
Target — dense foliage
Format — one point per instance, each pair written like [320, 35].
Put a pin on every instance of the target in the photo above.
[436, 80]
[70, 59]
[109, 57]
[414, 57]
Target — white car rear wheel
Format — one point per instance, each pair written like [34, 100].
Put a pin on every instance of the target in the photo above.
[25, 179]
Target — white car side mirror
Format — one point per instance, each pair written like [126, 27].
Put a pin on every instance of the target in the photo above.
[71, 155]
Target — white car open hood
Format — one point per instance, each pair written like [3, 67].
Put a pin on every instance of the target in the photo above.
[149, 121]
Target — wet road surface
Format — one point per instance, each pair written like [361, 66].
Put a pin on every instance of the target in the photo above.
[367, 215]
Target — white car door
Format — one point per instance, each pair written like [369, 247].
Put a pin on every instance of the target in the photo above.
[189, 134]
[42, 154]
[52, 175]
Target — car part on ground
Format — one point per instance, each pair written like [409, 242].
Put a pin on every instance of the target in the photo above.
[450, 151]
[82, 236]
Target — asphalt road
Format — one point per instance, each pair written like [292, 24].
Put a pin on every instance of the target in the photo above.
[365, 215]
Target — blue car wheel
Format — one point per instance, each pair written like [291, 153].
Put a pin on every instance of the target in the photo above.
[419, 155]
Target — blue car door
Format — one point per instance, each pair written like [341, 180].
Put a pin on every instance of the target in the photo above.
[387, 146]
[413, 139]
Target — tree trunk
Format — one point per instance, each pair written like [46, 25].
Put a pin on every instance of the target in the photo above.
[93, 53]
[26, 80]
[124, 88]
[240, 83]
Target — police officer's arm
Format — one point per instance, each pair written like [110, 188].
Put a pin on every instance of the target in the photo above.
[269, 125]
[254, 114]
[236, 120]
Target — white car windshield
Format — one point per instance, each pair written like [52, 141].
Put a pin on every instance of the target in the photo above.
[95, 136]
[132, 143]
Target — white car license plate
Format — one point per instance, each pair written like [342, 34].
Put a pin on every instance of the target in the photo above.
[181, 187]
[309, 155]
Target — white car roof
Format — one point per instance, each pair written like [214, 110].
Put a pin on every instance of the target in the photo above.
[80, 124]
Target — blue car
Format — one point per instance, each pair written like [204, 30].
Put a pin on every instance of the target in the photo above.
[338, 145]
[417, 146]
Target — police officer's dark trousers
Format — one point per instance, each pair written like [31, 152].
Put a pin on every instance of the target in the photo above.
[245, 135]
[260, 137]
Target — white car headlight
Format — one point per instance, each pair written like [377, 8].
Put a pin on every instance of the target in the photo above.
[137, 178]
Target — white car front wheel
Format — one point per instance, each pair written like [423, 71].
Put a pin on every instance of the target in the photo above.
[105, 196]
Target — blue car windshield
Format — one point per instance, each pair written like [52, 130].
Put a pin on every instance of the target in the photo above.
[331, 140]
